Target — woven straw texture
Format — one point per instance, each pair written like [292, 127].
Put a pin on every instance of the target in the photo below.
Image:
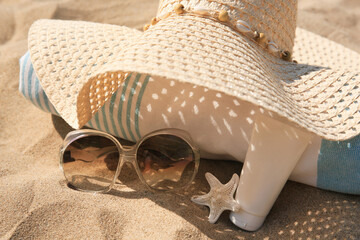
[80, 65]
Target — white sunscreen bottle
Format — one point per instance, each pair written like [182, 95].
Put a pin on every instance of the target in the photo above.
[274, 150]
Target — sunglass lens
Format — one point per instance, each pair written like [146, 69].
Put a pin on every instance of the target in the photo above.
[166, 162]
[90, 163]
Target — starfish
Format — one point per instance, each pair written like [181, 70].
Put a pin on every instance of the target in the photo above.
[220, 197]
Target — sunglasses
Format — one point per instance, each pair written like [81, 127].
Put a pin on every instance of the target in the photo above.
[164, 160]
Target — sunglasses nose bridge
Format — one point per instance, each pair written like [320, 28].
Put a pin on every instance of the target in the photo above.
[128, 155]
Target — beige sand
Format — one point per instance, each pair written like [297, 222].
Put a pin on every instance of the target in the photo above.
[36, 204]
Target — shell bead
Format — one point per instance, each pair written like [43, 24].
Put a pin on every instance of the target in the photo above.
[273, 47]
[256, 35]
[224, 16]
[154, 21]
[237, 25]
[179, 8]
[146, 27]
[286, 55]
[262, 38]
[243, 26]
[201, 10]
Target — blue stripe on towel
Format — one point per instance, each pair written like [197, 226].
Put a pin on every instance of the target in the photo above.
[96, 116]
[128, 115]
[90, 124]
[339, 165]
[46, 100]
[122, 99]
[23, 62]
[105, 117]
[37, 92]
[111, 113]
[25, 74]
[138, 102]
[29, 76]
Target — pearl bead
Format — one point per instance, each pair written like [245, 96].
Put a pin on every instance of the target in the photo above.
[179, 8]
[224, 16]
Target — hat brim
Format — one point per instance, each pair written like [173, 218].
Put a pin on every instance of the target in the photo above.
[80, 65]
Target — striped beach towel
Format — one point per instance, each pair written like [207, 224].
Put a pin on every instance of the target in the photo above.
[335, 165]
[123, 123]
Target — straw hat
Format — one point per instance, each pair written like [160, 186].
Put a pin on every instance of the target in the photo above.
[244, 48]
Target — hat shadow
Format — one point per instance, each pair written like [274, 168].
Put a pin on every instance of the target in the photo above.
[300, 210]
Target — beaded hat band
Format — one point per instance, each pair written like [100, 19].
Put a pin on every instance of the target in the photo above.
[80, 64]
[237, 25]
